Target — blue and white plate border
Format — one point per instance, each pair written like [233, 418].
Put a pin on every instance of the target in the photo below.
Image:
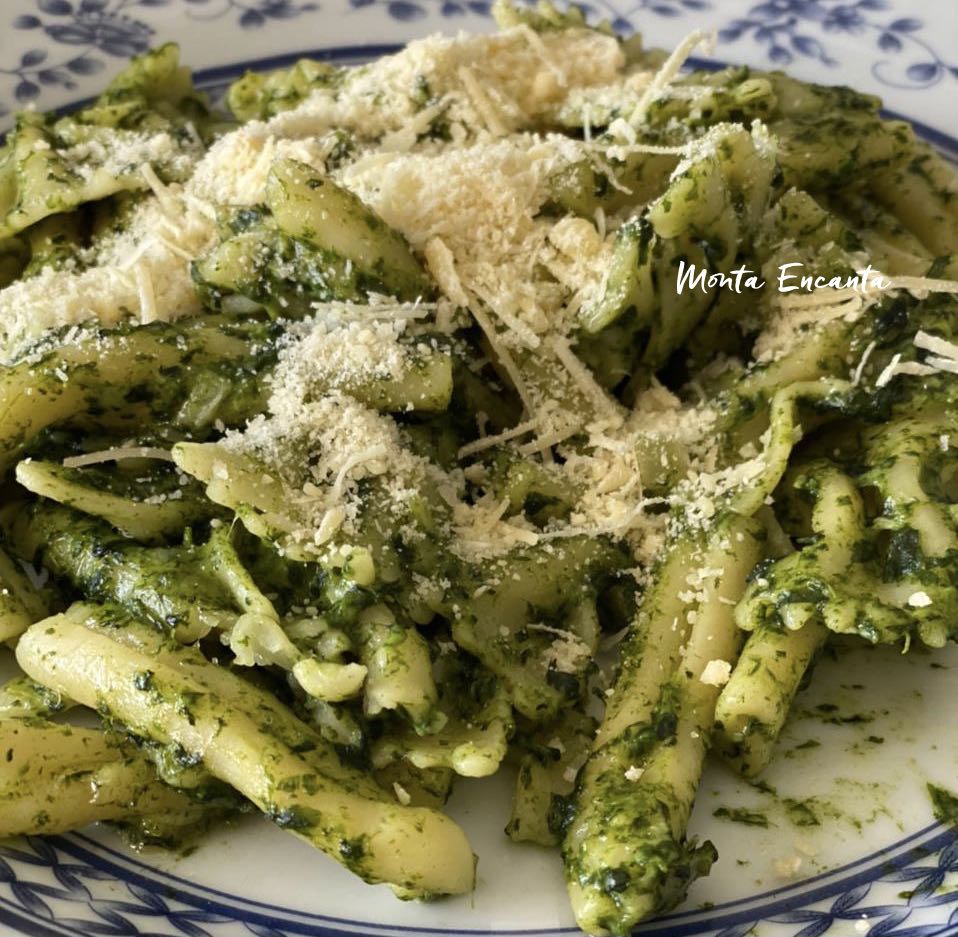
[75, 885]
[55, 51]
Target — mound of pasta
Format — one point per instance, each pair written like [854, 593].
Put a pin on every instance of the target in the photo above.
[371, 437]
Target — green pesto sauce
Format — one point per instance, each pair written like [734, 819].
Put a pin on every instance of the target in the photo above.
[944, 803]
[742, 815]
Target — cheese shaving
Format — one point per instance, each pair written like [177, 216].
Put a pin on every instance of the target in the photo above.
[442, 266]
[117, 455]
[488, 442]
[669, 71]
[144, 286]
[484, 106]
[919, 600]
[859, 370]
[584, 379]
[162, 193]
[936, 345]
[942, 364]
[716, 673]
[920, 287]
[504, 356]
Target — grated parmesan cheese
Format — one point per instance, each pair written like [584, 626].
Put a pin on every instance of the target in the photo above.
[449, 144]
[716, 673]
[177, 223]
[160, 288]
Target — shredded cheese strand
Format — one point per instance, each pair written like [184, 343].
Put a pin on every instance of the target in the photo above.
[117, 455]
[669, 70]
[936, 345]
[487, 442]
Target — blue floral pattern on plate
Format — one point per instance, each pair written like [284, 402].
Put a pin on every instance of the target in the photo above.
[89, 29]
[93, 29]
[252, 14]
[68, 44]
[785, 28]
[622, 17]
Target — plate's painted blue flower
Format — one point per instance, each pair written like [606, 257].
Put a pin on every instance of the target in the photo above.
[783, 27]
[253, 14]
[844, 19]
[111, 33]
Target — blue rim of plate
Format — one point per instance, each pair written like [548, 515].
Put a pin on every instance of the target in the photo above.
[840, 880]
[261, 917]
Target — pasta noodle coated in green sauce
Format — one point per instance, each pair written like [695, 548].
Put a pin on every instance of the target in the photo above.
[351, 428]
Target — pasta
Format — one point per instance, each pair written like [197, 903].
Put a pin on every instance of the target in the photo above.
[514, 399]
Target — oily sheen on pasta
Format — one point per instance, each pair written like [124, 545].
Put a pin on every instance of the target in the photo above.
[510, 400]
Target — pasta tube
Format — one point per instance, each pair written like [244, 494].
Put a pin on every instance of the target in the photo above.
[755, 702]
[56, 778]
[625, 853]
[247, 739]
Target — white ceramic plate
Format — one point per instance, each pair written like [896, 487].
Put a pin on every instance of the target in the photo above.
[851, 847]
